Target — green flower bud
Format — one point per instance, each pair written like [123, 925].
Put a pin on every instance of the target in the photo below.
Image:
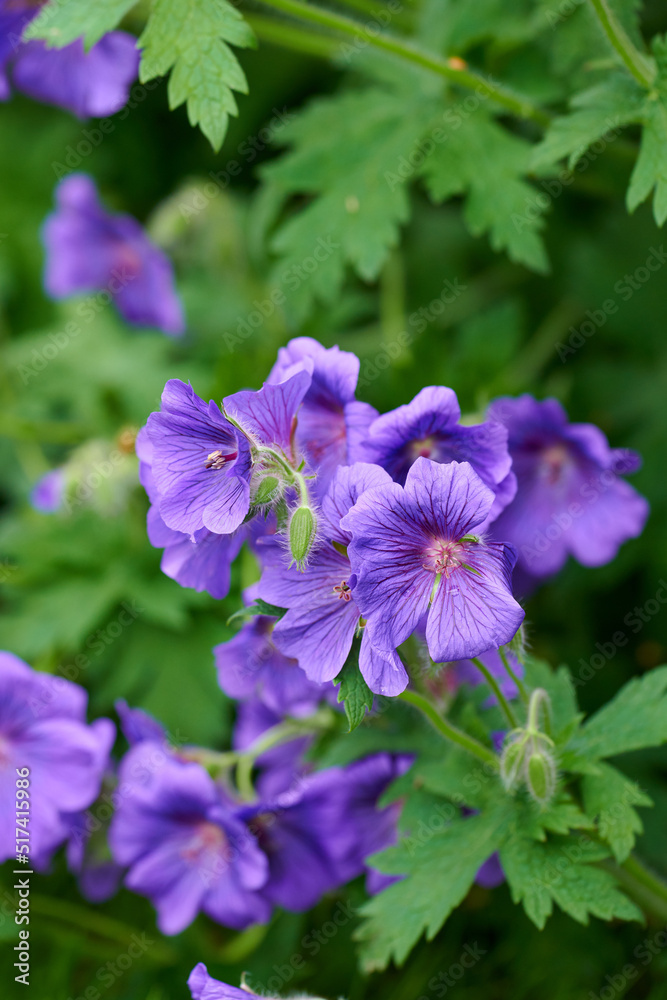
[541, 774]
[512, 760]
[268, 491]
[302, 531]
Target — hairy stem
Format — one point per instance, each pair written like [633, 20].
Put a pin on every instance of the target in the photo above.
[447, 730]
[637, 63]
[495, 687]
[523, 692]
[516, 104]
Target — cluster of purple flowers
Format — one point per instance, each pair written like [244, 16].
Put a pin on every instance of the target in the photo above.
[94, 83]
[381, 527]
[180, 836]
[191, 843]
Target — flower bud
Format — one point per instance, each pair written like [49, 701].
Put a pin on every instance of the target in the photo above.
[512, 760]
[541, 775]
[268, 491]
[302, 531]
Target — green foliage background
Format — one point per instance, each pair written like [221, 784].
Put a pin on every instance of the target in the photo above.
[63, 578]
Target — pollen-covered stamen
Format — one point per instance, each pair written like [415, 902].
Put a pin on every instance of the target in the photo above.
[444, 557]
[216, 460]
[207, 837]
[343, 591]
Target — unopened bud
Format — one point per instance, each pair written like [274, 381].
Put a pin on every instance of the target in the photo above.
[268, 491]
[517, 645]
[541, 775]
[512, 759]
[302, 530]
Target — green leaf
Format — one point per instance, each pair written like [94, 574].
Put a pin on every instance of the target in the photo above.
[440, 866]
[192, 38]
[610, 798]
[636, 718]
[60, 22]
[560, 816]
[354, 691]
[481, 160]
[650, 170]
[596, 112]
[346, 155]
[560, 871]
[258, 607]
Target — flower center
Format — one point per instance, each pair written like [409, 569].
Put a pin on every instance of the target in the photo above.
[343, 591]
[554, 460]
[216, 460]
[423, 448]
[443, 557]
[208, 838]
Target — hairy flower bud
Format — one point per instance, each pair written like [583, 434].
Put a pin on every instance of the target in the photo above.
[302, 532]
[512, 760]
[268, 491]
[541, 773]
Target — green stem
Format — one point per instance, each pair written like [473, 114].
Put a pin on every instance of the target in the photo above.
[93, 922]
[293, 37]
[495, 687]
[450, 732]
[638, 871]
[516, 104]
[285, 731]
[641, 67]
[523, 692]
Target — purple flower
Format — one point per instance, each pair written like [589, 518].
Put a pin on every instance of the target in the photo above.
[90, 250]
[89, 858]
[250, 664]
[571, 499]
[323, 616]
[138, 726]
[201, 560]
[332, 423]
[281, 767]
[200, 463]
[318, 834]
[490, 874]
[185, 848]
[48, 492]
[413, 554]
[94, 83]
[429, 427]
[204, 987]
[43, 728]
